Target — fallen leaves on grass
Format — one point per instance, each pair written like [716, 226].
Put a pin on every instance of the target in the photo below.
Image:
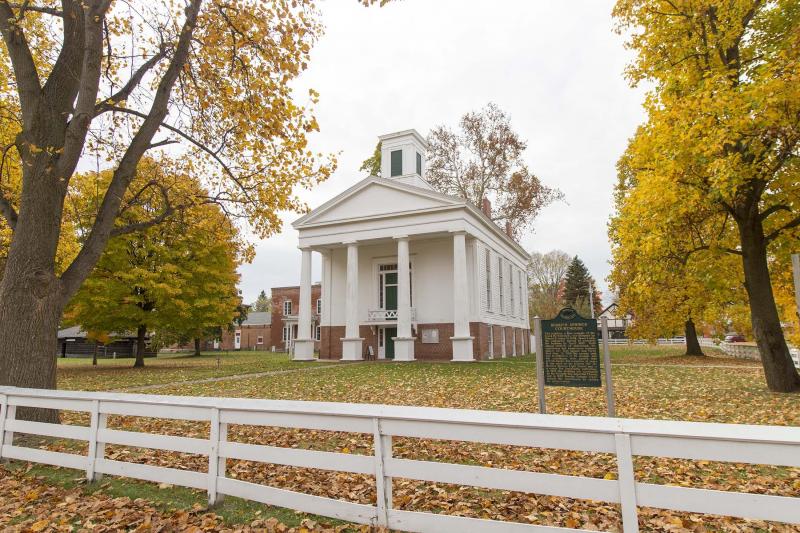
[53, 508]
[697, 393]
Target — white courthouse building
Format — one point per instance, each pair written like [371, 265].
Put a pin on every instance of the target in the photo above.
[410, 273]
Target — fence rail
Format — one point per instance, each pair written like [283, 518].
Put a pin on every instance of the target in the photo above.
[660, 342]
[625, 438]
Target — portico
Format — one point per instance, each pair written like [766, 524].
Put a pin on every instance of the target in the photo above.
[404, 269]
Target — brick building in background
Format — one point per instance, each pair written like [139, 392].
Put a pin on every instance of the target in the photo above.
[255, 333]
[285, 307]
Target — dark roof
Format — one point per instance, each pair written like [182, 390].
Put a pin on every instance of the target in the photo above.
[76, 332]
[258, 318]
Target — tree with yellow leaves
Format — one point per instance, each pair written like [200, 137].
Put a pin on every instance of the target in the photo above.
[177, 278]
[721, 139]
[209, 80]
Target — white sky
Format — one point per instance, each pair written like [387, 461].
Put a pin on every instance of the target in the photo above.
[555, 66]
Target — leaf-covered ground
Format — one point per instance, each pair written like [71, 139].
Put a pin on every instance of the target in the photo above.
[111, 374]
[49, 500]
[649, 383]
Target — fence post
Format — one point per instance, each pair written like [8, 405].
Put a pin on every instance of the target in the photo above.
[3, 410]
[537, 332]
[6, 436]
[627, 483]
[612, 409]
[91, 456]
[215, 463]
[383, 483]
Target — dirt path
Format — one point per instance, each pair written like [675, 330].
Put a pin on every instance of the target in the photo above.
[234, 377]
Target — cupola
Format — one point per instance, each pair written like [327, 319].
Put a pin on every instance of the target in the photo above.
[403, 157]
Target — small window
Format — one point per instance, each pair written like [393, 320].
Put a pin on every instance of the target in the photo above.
[488, 280]
[319, 306]
[511, 290]
[259, 340]
[317, 333]
[287, 307]
[419, 164]
[286, 333]
[397, 163]
[500, 277]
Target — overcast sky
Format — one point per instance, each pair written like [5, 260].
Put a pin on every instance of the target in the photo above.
[555, 66]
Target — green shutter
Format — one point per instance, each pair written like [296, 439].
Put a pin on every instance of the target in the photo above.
[397, 163]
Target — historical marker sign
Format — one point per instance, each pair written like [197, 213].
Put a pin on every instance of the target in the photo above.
[570, 352]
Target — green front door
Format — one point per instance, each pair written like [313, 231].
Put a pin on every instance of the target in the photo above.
[388, 342]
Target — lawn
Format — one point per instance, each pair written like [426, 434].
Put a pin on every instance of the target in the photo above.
[650, 383]
[112, 374]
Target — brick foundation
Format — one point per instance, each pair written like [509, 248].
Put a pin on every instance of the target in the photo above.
[330, 346]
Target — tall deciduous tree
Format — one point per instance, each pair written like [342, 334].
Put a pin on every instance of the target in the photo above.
[484, 159]
[210, 78]
[177, 278]
[546, 274]
[722, 134]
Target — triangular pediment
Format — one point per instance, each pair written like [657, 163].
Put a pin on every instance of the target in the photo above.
[376, 197]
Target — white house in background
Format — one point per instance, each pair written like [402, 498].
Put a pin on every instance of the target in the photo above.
[410, 273]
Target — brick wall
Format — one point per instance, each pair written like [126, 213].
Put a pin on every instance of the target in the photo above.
[249, 340]
[331, 345]
[280, 295]
[498, 341]
[509, 342]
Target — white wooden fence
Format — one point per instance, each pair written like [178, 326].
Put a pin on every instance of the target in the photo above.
[625, 438]
[746, 350]
[660, 342]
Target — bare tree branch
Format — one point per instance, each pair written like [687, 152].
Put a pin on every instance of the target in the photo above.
[25, 73]
[774, 209]
[38, 9]
[126, 170]
[795, 222]
[161, 217]
[123, 94]
[88, 87]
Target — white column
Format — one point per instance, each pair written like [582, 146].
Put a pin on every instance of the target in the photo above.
[352, 343]
[304, 344]
[404, 342]
[462, 341]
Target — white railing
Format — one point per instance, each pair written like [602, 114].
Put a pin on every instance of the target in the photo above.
[625, 438]
[381, 315]
[660, 342]
[707, 342]
[749, 350]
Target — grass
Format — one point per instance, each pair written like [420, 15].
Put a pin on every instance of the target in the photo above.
[111, 374]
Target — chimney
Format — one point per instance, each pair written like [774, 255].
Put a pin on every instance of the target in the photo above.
[508, 229]
[486, 207]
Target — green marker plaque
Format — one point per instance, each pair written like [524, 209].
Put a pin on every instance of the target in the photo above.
[570, 351]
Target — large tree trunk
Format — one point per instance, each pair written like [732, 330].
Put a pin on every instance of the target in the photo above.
[140, 347]
[779, 369]
[197, 346]
[692, 344]
[31, 299]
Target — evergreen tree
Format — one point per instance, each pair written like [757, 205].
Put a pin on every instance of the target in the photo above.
[263, 303]
[577, 284]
